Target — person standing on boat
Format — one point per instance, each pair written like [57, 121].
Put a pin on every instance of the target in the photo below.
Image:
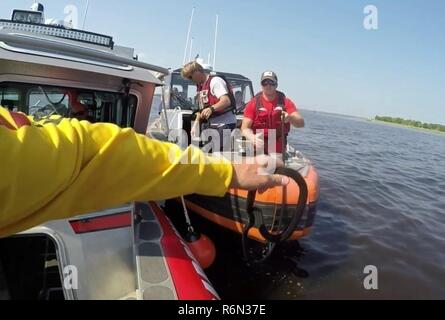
[265, 112]
[46, 168]
[216, 103]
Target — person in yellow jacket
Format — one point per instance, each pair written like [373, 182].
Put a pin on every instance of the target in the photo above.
[65, 167]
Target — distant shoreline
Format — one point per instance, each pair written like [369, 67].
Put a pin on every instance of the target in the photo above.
[335, 114]
[407, 126]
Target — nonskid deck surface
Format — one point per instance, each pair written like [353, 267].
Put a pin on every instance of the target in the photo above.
[154, 280]
[166, 268]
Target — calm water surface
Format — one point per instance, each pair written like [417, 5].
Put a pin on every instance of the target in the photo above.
[382, 203]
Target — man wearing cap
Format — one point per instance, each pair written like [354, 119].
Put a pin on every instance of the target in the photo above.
[264, 113]
[216, 102]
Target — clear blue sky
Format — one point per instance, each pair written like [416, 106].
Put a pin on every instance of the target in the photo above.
[324, 57]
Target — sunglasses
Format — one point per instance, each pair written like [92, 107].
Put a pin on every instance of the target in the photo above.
[268, 83]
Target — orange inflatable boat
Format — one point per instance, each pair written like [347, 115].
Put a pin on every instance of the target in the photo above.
[265, 217]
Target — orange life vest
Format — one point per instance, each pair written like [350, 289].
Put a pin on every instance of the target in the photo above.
[270, 119]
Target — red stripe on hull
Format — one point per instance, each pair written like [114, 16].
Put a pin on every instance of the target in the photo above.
[188, 283]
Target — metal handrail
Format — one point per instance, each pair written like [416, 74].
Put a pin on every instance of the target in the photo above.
[49, 44]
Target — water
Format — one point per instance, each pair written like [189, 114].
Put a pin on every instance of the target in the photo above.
[382, 203]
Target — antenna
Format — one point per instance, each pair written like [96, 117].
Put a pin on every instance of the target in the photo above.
[188, 36]
[191, 48]
[208, 59]
[216, 38]
[85, 15]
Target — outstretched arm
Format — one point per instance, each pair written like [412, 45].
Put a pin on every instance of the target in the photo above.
[67, 168]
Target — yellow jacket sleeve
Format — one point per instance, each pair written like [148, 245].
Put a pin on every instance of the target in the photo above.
[66, 168]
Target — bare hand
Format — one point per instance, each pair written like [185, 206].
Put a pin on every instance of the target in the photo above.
[194, 132]
[258, 176]
[206, 113]
[286, 117]
[259, 140]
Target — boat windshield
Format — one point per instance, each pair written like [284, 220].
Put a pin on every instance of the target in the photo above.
[45, 101]
[183, 92]
[243, 92]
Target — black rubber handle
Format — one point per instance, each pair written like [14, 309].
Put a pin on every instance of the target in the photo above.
[298, 212]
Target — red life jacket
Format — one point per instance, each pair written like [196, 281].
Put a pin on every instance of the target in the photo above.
[270, 119]
[207, 99]
[19, 119]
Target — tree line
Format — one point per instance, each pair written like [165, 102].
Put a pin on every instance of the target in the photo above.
[412, 123]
